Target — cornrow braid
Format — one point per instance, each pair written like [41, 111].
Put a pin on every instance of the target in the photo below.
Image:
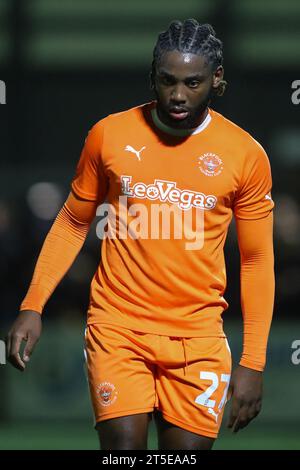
[190, 37]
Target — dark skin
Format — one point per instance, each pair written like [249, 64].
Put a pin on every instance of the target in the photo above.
[185, 81]
[27, 327]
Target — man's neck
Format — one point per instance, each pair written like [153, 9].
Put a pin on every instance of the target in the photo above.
[204, 121]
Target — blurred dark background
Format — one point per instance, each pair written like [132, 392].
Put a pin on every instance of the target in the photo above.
[66, 64]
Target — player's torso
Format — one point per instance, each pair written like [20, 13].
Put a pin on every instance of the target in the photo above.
[200, 171]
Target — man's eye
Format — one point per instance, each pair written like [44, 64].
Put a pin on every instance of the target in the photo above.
[166, 80]
[193, 84]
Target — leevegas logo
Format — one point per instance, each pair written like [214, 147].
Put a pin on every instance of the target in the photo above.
[149, 459]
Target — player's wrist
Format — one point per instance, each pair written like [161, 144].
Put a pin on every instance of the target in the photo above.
[30, 312]
[253, 366]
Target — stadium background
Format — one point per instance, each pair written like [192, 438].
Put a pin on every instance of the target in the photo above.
[66, 64]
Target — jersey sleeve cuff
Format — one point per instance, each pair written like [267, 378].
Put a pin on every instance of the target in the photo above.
[252, 365]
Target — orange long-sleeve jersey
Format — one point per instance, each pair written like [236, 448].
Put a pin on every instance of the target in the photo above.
[169, 285]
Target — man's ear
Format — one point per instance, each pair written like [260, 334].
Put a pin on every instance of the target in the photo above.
[218, 76]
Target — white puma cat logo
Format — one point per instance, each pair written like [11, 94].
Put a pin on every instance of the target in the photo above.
[136, 152]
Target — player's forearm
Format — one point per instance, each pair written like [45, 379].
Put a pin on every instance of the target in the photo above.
[59, 251]
[257, 300]
[257, 288]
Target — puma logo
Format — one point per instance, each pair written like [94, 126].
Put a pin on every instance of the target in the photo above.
[136, 152]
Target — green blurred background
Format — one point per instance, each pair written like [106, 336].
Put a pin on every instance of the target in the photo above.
[67, 64]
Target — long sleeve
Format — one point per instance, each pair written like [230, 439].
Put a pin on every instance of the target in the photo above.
[69, 230]
[255, 239]
[60, 248]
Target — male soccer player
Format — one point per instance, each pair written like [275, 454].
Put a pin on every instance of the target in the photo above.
[154, 337]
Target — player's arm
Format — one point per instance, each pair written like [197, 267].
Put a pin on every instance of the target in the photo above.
[253, 207]
[58, 253]
[255, 239]
[61, 246]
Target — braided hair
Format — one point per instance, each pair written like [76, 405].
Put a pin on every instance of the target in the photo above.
[190, 37]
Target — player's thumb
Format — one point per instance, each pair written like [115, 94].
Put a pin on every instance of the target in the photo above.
[28, 350]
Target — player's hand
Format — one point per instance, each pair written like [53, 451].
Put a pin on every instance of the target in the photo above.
[245, 389]
[27, 327]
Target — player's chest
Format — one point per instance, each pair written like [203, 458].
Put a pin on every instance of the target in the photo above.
[153, 171]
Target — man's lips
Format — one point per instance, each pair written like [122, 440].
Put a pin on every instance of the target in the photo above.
[178, 113]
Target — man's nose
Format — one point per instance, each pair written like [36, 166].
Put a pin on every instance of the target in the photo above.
[177, 94]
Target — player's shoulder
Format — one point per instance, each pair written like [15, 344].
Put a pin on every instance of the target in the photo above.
[238, 135]
[120, 118]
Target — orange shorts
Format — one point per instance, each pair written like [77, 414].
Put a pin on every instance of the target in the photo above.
[130, 372]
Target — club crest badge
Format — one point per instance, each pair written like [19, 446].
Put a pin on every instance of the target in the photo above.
[107, 393]
[210, 164]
